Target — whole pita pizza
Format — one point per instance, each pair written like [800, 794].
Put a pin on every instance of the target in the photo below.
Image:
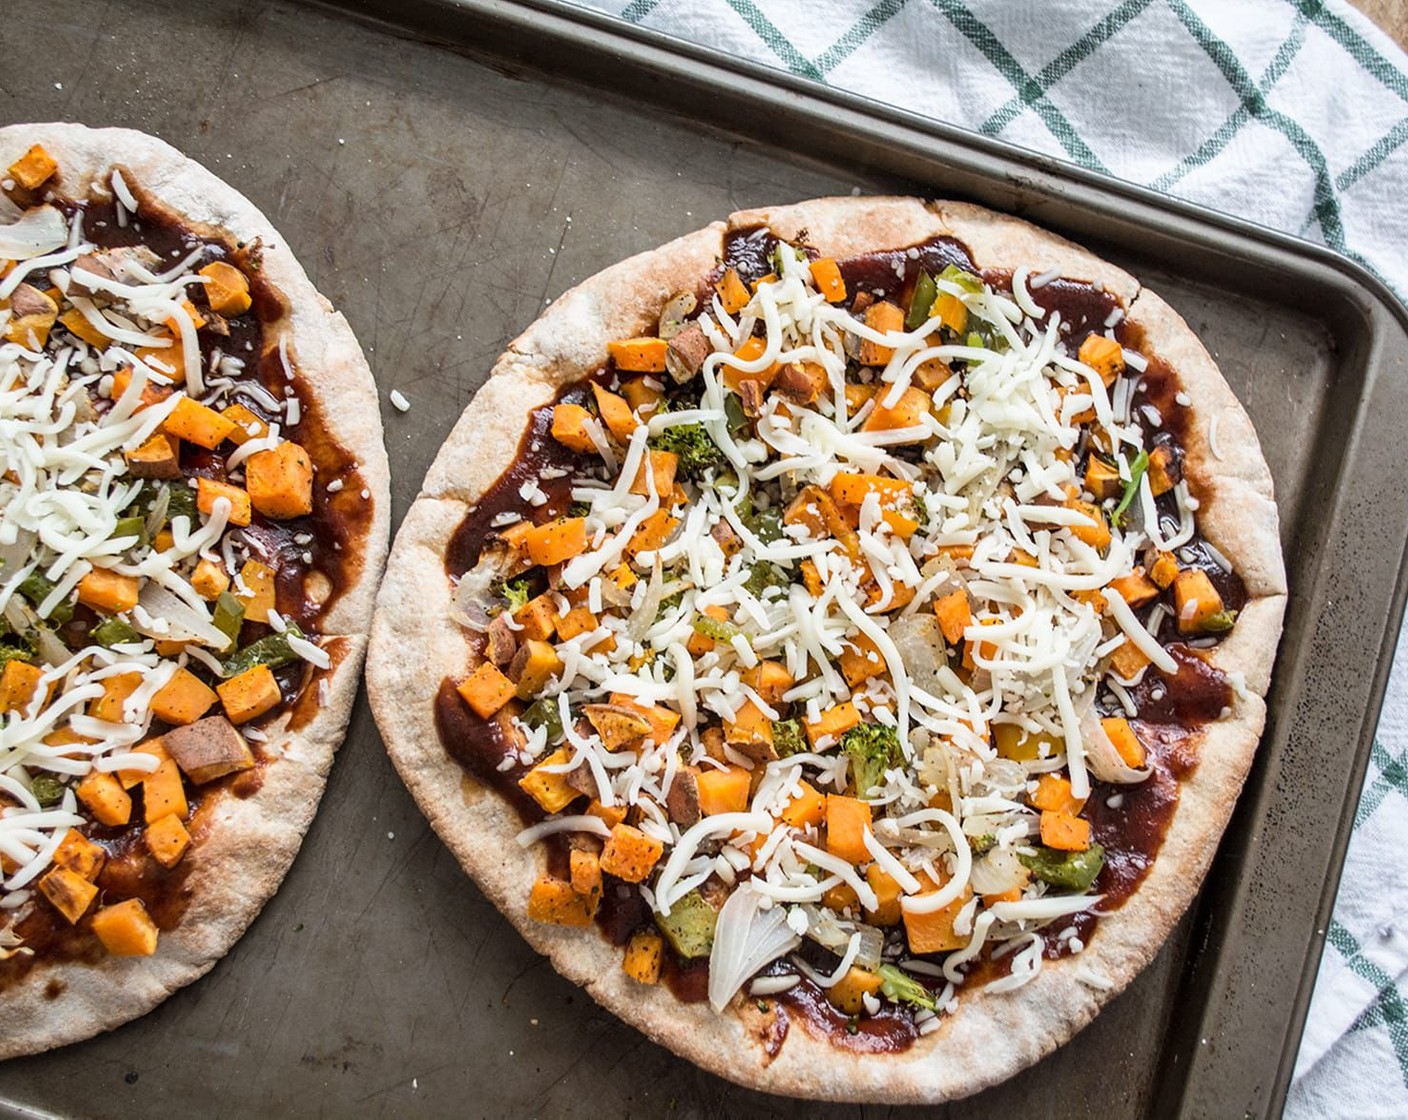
[837, 640]
[193, 520]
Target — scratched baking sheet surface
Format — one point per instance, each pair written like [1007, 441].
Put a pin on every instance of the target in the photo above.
[440, 202]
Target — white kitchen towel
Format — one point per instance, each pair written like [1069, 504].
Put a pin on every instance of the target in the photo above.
[1293, 114]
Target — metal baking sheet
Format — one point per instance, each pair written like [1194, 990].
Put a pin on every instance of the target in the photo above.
[440, 200]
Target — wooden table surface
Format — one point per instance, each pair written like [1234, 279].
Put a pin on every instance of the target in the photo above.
[1391, 15]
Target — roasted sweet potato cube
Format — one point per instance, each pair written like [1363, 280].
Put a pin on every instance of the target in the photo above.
[1053, 793]
[247, 425]
[153, 392]
[1164, 570]
[249, 695]
[643, 397]
[77, 324]
[724, 791]
[732, 292]
[800, 382]
[163, 794]
[848, 994]
[109, 706]
[1097, 533]
[610, 815]
[105, 798]
[80, 855]
[806, 809]
[158, 457]
[644, 954]
[1165, 470]
[33, 169]
[770, 680]
[908, 412]
[107, 591]
[682, 801]
[126, 929]
[630, 854]
[569, 428]
[260, 590]
[1195, 600]
[886, 318]
[557, 540]
[535, 663]
[1064, 831]
[1136, 589]
[551, 790]
[280, 481]
[620, 727]
[1102, 479]
[860, 660]
[226, 289]
[1104, 355]
[1126, 742]
[847, 821]
[1128, 659]
[750, 732]
[826, 275]
[197, 423]
[654, 532]
[834, 723]
[555, 902]
[167, 840]
[577, 621]
[183, 699]
[538, 617]
[208, 749]
[955, 615]
[209, 491]
[586, 872]
[662, 720]
[615, 412]
[70, 893]
[19, 682]
[638, 355]
[210, 579]
[933, 932]
[659, 466]
[132, 776]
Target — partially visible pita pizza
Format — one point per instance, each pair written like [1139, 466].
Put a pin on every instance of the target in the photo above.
[193, 520]
[837, 640]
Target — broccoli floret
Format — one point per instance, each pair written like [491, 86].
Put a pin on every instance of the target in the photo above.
[517, 591]
[787, 737]
[901, 987]
[696, 450]
[764, 575]
[873, 748]
[921, 507]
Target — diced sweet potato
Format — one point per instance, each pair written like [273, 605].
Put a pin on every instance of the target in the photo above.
[19, 682]
[644, 954]
[569, 427]
[1195, 600]
[951, 311]
[549, 789]
[833, 723]
[167, 840]
[77, 324]
[163, 794]
[826, 275]
[153, 392]
[1064, 832]
[33, 169]
[69, 893]
[1104, 355]
[611, 815]
[659, 466]
[908, 412]
[848, 994]
[1165, 470]
[486, 690]
[663, 721]
[887, 893]
[556, 541]
[577, 621]
[132, 776]
[860, 660]
[208, 749]
[80, 855]
[630, 854]
[638, 355]
[1128, 659]
[208, 491]
[158, 457]
[197, 423]
[654, 532]
[934, 933]
[1096, 534]
[619, 727]
[1164, 570]
[724, 791]
[105, 798]
[209, 579]
[249, 695]
[109, 706]
[247, 425]
[1136, 589]
[955, 615]
[750, 733]
[280, 481]
[555, 902]
[887, 318]
[1102, 479]
[538, 617]
[1053, 793]
[107, 591]
[259, 598]
[847, 820]
[535, 663]
[586, 872]
[807, 809]
[183, 699]
[682, 801]
[126, 929]
[643, 397]
[615, 413]
[226, 289]
[770, 680]
[732, 292]
[802, 383]
[1126, 742]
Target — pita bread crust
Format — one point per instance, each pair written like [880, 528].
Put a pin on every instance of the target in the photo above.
[993, 1035]
[244, 846]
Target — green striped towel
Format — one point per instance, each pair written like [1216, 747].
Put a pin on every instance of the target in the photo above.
[1293, 114]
